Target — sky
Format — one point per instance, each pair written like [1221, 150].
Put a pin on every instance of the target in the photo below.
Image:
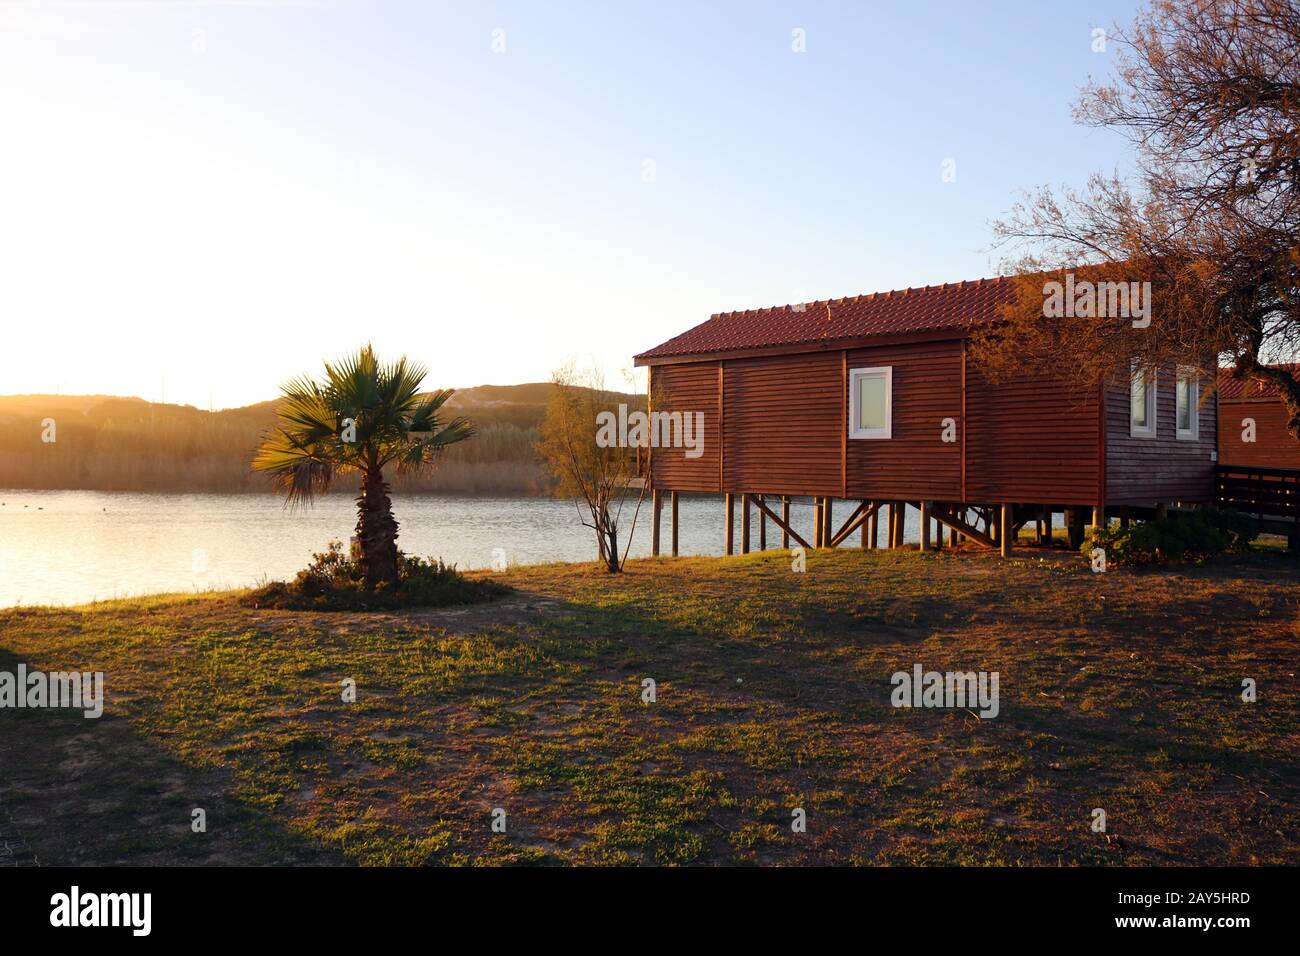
[201, 200]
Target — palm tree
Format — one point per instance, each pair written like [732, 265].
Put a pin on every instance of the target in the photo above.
[361, 417]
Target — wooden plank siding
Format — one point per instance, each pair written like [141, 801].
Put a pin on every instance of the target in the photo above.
[915, 463]
[782, 417]
[776, 424]
[1163, 468]
[1031, 439]
[1273, 447]
[687, 389]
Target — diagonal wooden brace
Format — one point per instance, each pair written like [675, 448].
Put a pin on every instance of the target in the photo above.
[864, 511]
[784, 526]
[946, 517]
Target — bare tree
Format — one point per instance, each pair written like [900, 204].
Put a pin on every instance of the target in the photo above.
[1208, 92]
[600, 477]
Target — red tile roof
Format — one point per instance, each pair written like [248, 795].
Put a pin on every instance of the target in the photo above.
[1246, 388]
[935, 307]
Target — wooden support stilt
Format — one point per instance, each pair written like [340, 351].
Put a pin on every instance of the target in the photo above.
[1162, 511]
[817, 522]
[1004, 530]
[731, 524]
[1123, 516]
[762, 528]
[673, 509]
[828, 522]
[1098, 517]
[925, 525]
[657, 509]
[1047, 525]
[785, 518]
[865, 526]
[744, 524]
[873, 528]
[1074, 527]
[891, 526]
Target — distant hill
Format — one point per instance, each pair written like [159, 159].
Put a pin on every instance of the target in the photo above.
[106, 443]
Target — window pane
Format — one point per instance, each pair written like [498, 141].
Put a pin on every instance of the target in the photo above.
[1184, 404]
[871, 402]
[1138, 400]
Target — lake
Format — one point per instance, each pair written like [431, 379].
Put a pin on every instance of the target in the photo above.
[72, 547]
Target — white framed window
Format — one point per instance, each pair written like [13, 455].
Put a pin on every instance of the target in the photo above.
[871, 402]
[1142, 402]
[1186, 402]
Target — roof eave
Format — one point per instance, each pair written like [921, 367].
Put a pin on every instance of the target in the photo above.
[953, 333]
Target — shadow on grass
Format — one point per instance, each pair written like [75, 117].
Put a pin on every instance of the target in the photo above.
[772, 692]
[1106, 696]
[93, 792]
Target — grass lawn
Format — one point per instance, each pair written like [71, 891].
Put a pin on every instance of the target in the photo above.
[1119, 690]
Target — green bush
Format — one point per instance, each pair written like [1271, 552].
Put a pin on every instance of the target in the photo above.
[1191, 536]
[334, 582]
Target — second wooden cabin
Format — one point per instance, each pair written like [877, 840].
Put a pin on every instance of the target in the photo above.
[1253, 424]
[872, 400]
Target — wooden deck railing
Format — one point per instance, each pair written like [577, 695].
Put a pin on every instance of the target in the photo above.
[1263, 492]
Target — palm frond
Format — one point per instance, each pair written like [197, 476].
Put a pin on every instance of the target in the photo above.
[302, 482]
[425, 415]
[310, 415]
[393, 422]
[352, 383]
[400, 385]
[298, 469]
[425, 451]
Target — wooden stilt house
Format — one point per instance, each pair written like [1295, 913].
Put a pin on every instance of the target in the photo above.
[870, 403]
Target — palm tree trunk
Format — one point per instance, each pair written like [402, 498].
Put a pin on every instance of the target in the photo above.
[376, 530]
